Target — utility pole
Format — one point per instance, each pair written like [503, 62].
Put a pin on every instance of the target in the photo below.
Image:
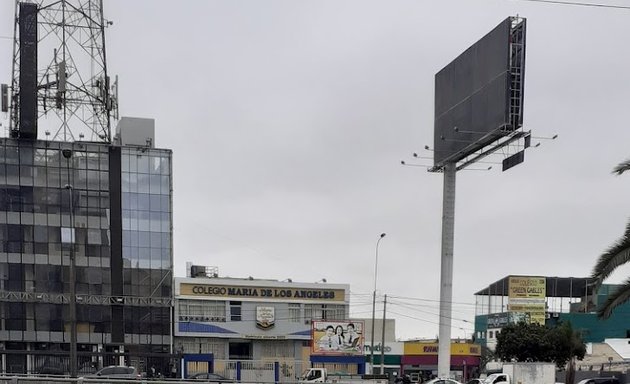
[383, 337]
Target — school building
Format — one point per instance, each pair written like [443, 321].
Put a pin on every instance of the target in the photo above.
[269, 330]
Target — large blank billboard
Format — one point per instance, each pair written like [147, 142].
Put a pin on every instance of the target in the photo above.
[475, 94]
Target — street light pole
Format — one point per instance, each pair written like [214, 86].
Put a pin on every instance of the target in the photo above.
[374, 303]
[383, 336]
[67, 153]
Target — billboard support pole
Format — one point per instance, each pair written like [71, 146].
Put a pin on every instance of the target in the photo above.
[472, 120]
[446, 275]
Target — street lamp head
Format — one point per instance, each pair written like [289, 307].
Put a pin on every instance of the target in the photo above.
[67, 153]
[67, 186]
[383, 235]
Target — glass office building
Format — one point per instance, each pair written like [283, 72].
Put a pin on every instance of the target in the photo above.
[108, 206]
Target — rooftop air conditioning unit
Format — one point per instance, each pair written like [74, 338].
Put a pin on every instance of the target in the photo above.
[556, 314]
[547, 315]
[198, 271]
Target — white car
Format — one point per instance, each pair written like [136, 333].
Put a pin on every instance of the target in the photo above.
[442, 380]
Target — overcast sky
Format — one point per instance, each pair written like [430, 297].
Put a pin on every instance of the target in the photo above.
[288, 121]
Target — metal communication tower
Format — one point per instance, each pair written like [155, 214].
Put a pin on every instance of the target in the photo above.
[75, 98]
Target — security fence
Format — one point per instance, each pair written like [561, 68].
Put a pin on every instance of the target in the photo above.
[267, 371]
[153, 367]
[57, 363]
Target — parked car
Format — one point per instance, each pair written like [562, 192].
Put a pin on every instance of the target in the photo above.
[51, 370]
[115, 372]
[210, 377]
[475, 381]
[600, 380]
[442, 380]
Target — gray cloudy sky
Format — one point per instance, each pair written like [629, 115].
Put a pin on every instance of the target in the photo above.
[288, 121]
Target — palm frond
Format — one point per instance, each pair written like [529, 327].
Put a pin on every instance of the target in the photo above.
[622, 167]
[618, 297]
[618, 254]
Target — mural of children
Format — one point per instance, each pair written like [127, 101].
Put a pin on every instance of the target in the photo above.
[329, 342]
[339, 335]
[352, 338]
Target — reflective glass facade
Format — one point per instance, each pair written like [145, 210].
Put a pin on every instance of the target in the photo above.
[111, 206]
[146, 237]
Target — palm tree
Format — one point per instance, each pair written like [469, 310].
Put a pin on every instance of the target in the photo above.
[618, 254]
[622, 167]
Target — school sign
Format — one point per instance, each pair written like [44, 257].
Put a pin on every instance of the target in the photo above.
[526, 295]
[261, 292]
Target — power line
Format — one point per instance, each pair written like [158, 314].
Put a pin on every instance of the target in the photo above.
[597, 5]
[414, 318]
[364, 304]
[353, 293]
[354, 314]
[427, 321]
[463, 310]
[433, 314]
[428, 300]
[434, 301]
[380, 299]
[414, 308]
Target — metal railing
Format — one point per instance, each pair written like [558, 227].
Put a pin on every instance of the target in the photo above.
[24, 379]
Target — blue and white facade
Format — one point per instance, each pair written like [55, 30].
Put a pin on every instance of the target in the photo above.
[248, 319]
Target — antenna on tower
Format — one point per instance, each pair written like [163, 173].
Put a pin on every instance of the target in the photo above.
[60, 71]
